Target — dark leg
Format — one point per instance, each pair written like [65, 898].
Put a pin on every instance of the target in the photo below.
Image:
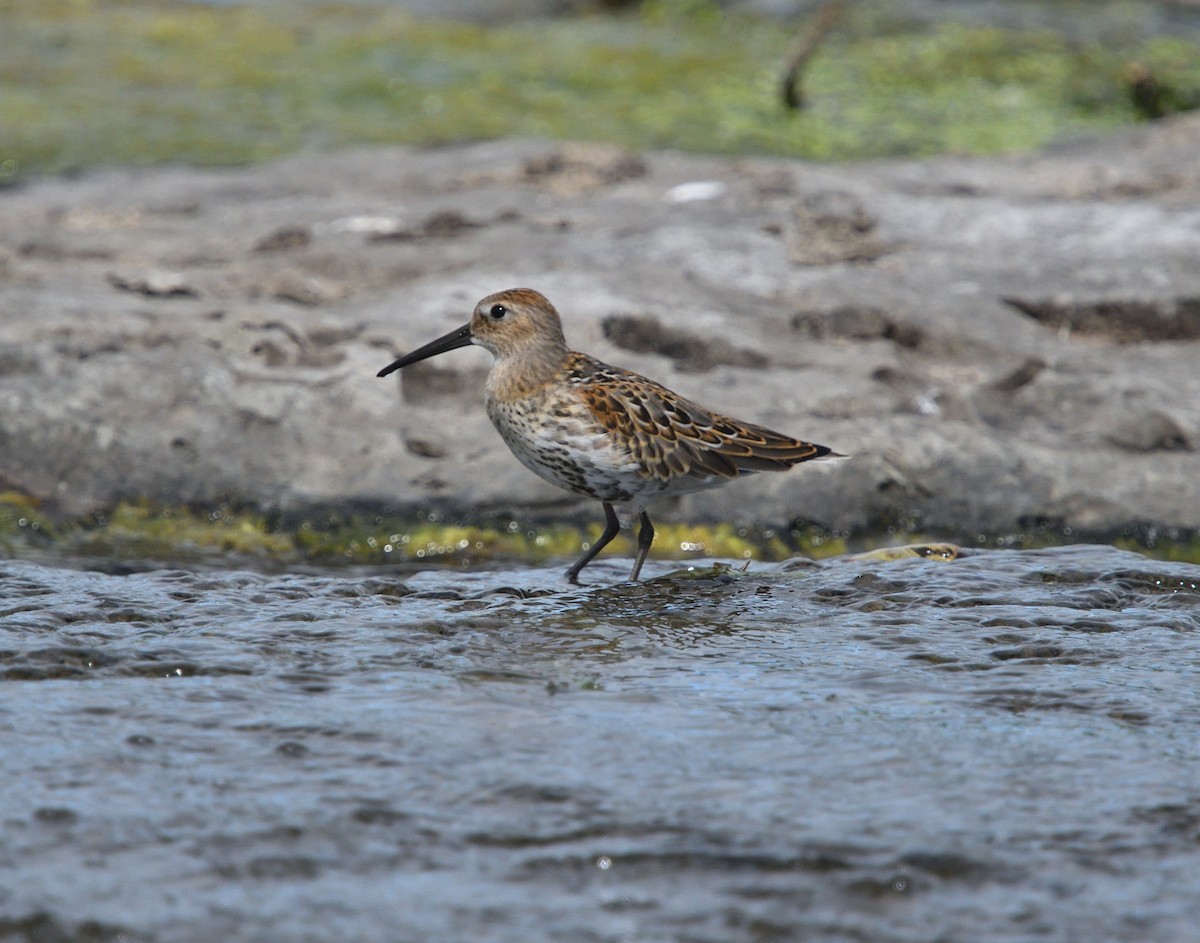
[645, 539]
[612, 527]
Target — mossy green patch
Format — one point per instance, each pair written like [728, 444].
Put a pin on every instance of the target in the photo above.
[22, 521]
[141, 531]
[1175, 547]
[145, 81]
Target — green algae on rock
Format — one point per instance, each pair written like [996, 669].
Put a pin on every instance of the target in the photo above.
[90, 82]
[141, 530]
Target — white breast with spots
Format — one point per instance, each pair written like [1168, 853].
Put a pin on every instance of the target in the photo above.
[560, 442]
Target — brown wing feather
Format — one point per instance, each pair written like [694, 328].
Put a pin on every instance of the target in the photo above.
[673, 437]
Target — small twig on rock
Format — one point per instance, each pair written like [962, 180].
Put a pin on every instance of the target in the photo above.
[827, 15]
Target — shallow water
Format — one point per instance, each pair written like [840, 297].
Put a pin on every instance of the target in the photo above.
[1004, 747]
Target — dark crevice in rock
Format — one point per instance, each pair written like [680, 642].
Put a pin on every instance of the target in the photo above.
[690, 353]
[1120, 320]
[856, 323]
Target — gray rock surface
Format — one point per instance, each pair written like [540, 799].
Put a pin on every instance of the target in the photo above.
[996, 343]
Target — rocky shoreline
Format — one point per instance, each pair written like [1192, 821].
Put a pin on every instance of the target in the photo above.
[999, 344]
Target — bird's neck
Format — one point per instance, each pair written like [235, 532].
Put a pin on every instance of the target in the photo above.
[517, 376]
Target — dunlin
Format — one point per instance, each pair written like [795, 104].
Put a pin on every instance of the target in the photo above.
[601, 431]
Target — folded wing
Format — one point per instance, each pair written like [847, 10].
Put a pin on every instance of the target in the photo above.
[673, 437]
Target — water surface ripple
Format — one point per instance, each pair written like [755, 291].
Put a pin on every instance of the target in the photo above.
[1000, 748]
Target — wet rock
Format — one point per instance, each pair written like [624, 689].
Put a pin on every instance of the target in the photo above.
[994, 342]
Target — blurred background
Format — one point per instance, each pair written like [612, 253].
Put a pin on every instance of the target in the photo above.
[89, 82]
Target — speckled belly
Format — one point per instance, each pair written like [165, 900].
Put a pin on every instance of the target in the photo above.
[567, 448]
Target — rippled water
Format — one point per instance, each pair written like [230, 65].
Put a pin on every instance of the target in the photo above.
[1004, 747]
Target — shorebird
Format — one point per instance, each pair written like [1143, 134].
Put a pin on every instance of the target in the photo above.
[600, 431]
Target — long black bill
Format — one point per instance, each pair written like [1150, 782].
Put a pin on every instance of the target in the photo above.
[452, 341]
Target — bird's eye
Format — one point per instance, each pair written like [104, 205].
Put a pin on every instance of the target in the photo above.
[497, 312]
